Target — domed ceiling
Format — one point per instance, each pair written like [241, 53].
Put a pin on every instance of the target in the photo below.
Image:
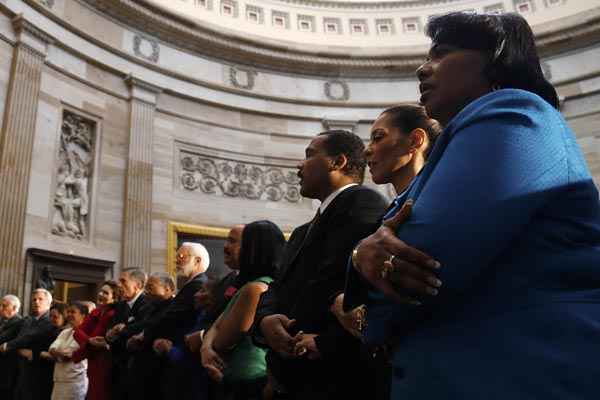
[351, 38]
[384, 25]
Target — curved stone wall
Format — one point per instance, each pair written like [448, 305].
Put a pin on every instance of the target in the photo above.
[133, 126]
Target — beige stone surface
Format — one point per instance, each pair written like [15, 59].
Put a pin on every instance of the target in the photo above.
[6, 54]
[59, 92]
[171, 203]
[89, 22]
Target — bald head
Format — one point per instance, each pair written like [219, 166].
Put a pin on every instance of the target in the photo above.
[232, 247]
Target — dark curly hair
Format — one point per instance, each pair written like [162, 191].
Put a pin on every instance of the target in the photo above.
[339, 142]
[507, 40]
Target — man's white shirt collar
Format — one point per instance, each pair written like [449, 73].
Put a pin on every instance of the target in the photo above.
[132, 302]
[332, 196]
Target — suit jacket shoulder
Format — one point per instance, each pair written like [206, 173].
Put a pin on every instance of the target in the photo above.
[11, 329]
[179, 316]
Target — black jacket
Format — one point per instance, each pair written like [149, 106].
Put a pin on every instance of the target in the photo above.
[128, 316]
[8, 362]
[35, 377]
[34, 333]
[10, 328]
[178, 318]
[313, 270]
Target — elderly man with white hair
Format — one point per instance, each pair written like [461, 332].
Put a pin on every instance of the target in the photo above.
[179, 319]
[9, 310]
[9, 329]
[36, 329]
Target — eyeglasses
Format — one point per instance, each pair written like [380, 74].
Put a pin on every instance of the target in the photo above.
[182, 256]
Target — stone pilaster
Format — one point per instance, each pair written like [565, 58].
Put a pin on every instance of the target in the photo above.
[339, 123]
[16, 145]
[137, 229]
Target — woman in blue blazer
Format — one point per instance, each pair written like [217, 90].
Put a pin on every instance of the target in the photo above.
[490, 286]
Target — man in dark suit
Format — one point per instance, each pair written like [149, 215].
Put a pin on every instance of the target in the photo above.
[311, 356]
[145, 367]
[127, 312]
[9, 329]
[35, 329]
[225, 288]
[178, 320]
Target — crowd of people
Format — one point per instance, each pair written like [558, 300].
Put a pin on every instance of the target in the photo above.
[480, 280]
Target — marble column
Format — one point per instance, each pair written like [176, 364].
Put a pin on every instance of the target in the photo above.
[16, 145]
[137, 229]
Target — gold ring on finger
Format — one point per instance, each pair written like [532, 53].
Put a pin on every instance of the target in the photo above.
[386, 269]
[301, 351]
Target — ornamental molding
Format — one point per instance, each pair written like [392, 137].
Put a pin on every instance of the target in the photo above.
[222, 173]
[363, 5]
[183, 33]
[337, 90]
[570, 33]
[146, 48]
[242, 78]
[22, 26]
[204, 40]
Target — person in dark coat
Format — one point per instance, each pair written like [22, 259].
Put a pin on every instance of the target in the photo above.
[225, 288]
[178, 320]
[9, 329]
[127, 312]
[311, 356]
[145, 366]
[35, 332]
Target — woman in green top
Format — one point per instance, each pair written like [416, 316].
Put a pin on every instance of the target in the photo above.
[228, 353]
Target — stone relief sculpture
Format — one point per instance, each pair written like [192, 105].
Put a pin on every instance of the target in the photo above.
[242, 78]
[337, 90]
[146, 48]
[75, 164]
[224, 177]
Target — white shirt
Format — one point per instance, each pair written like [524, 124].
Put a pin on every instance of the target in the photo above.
[68, 371]
[332, 196]
[132, 302]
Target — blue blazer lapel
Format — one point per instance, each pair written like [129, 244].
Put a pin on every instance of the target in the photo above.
[435, 156]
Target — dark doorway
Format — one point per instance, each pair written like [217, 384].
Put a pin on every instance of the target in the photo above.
[67, 277]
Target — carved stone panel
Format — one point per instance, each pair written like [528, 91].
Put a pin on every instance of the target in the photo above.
[205, 170]
[146, 48]
[242, 78]
[74, 171]
[337, 90]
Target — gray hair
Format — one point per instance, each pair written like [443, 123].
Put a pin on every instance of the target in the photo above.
[165, 280]
[45, 292]
[137, 274]
[14, 300]
[199, 250]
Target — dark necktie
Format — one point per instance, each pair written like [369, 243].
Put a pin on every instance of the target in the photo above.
[313, 223]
